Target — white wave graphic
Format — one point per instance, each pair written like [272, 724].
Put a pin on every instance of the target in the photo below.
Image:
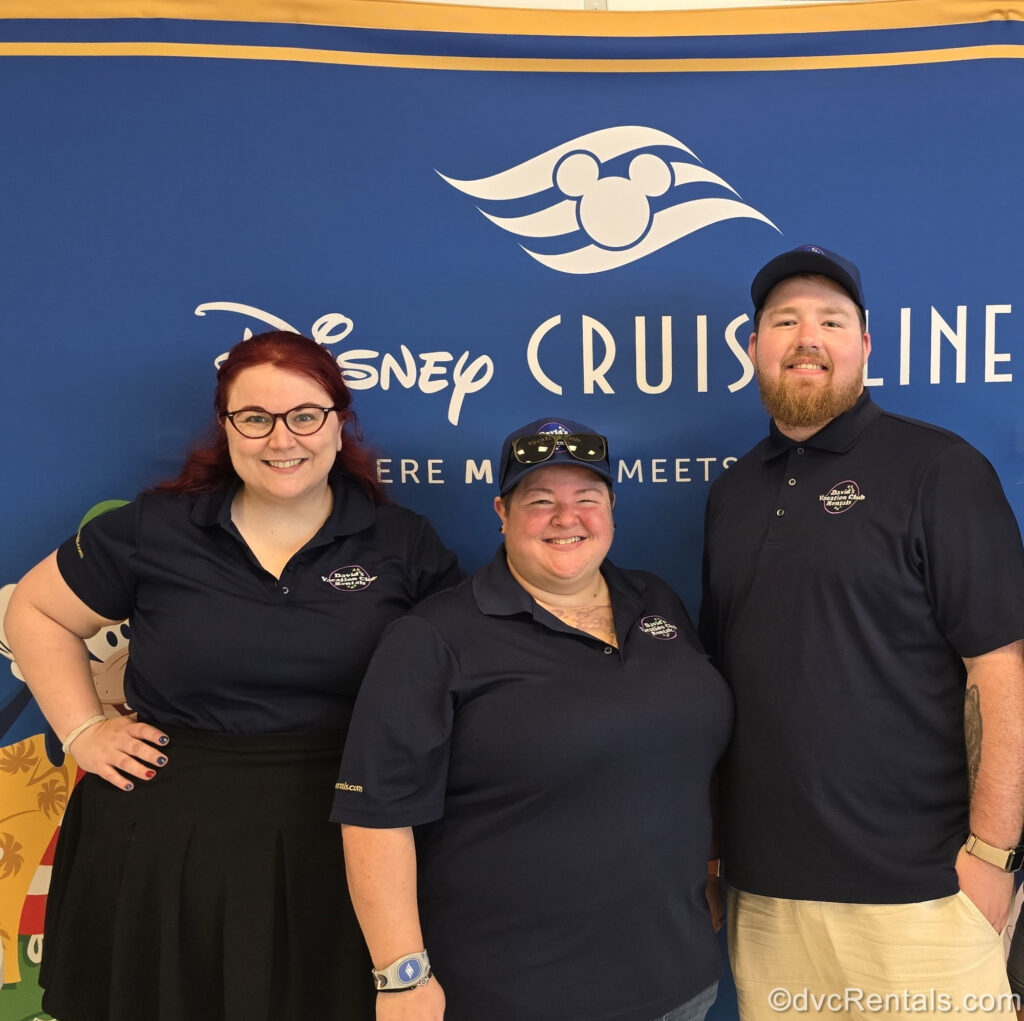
[545, 223]
[669, 225]
[614, 212]
[536, 174]
[688, 173]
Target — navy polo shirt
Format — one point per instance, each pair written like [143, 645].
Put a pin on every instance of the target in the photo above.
[845, 578]
[218, 643]
[561, 790]
[1015, 960]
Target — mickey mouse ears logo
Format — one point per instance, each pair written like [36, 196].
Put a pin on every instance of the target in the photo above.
[607, 198]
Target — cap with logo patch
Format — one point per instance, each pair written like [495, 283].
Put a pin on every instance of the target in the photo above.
[528, 448]
[807, 259]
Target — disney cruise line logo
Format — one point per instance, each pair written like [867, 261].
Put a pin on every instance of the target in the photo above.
[606, 199]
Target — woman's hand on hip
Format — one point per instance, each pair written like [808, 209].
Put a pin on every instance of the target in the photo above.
[120, 751]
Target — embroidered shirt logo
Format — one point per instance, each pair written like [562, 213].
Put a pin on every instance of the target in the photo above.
[841, 497]
[658, 627]
[342, 786]
[349, 579]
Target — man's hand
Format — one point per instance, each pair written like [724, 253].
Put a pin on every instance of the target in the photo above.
[990, 888]
[716, 901]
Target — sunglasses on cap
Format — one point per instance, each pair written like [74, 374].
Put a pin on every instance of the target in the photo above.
[541, 447]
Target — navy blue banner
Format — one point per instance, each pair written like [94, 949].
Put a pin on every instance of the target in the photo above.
[486, 222]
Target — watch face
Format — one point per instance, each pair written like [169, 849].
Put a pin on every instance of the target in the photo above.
[410, 970]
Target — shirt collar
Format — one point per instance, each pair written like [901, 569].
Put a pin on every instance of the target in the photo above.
[837, 437]
[498, 594]
[353, 509]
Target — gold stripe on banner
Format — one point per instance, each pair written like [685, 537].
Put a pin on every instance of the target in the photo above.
[434, 63]
[438, 17]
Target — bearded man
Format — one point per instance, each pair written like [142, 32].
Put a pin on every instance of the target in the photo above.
[864, 597]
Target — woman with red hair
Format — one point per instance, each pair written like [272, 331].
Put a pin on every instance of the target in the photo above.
[197, 876]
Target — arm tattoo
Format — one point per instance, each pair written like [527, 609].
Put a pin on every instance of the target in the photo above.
[972, 735]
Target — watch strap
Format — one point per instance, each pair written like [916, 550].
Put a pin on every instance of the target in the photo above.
[408, 972]
[1009, 860]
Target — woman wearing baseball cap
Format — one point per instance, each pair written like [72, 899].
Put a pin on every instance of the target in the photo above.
[525, 786]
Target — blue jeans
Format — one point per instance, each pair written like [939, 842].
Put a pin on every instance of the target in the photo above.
[695, 1008]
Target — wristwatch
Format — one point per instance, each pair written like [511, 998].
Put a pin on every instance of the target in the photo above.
[1009, 861]
[407, 972]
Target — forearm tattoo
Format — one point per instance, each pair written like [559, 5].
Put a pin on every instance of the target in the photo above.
[972, 735]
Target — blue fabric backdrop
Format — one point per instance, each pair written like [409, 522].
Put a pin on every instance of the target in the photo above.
[489, 216]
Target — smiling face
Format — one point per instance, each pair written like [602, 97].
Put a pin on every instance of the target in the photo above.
[809, 351]
[558, 528]
[281, 466]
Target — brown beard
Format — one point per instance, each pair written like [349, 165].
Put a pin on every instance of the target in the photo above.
[806, 407]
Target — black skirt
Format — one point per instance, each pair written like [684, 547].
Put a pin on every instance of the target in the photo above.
[214, 892]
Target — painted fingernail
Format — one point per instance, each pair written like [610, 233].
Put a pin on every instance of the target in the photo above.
[129, 786]
[162, 739]
[150, 773]
[161, 760]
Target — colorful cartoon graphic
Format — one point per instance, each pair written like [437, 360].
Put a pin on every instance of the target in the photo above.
[34, 793]
[36, 779]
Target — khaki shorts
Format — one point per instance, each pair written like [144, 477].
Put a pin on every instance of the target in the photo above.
[934, 959]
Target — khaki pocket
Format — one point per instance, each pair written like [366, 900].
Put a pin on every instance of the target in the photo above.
[976, 913]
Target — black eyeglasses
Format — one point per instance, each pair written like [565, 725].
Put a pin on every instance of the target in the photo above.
[255, 423]
[542, 446]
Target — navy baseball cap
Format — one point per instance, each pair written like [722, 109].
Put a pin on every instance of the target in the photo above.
[528, 448]
[807, 259]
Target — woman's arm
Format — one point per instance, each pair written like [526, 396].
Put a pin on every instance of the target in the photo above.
[381, 869]
[46, 624]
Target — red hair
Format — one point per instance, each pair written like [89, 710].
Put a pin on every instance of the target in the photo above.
[208, 465]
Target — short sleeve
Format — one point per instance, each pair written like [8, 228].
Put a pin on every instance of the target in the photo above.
[394, 770]
[970, 553]
[434, 566]
[96, 563]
